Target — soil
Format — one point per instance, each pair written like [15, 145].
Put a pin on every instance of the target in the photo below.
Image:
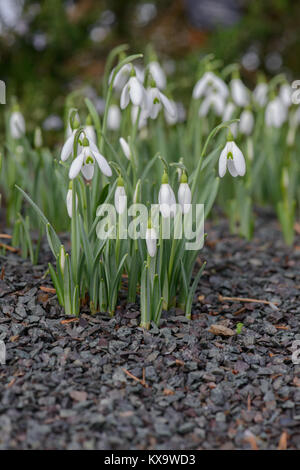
[97, 382]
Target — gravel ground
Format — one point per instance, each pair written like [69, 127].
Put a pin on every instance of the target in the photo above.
[101, 383]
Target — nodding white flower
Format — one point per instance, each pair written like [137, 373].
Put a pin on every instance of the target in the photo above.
[232, 158]
[276, 113]
[85, 162]
[166, 198]
[151, 237]
[158, 74]
[239, 92]
[184, 194]
[69, 200]
[113, 117]
[133, 91]
[214, 101]
[67, 149]
[285, 94]
[17, 125]
[260, 94]
[228, 111]
[246, 122]
[156, 100]
[121, 77]
[125, 147]
[210, 82]
[120, 197]
[143, 116]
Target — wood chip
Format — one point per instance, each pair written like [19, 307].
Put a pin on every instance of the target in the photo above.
[49, 290]
[168, 392]
[245, 299]
[221, 330]
[9, 248]
[283, 441]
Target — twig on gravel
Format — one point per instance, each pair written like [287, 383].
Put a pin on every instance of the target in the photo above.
[245, 299]
[9, 248]
[49, 290]
[283, 441]
[141, 381]
[5, 235]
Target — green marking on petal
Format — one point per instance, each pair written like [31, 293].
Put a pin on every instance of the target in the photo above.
[229, 156]
[89, 160]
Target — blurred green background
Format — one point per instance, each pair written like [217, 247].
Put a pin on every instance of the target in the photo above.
[49, 48]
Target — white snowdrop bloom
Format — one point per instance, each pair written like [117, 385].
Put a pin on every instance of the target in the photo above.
[67, 149]
[285, 94]
[210, 82]
[143, 116]
[156, 100]
[151, 237]
[17, 125]
[184, 194]
[239, 92]
[260, 94]
[228, 111]
[114, 118]
[133, 91]
[246, 122]
[158, 74]
[69, 202]
[232, 158]
[125, 147]
[91, 133]
[166, 198]
[120, 197]
[121, 77]
[85, 162]
[213, 101]
[276, 113]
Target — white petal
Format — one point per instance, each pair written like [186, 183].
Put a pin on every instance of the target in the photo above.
[136, 91]
[200, 86]
[114, 117]
[151, 237]
[102, 163]
[17, 125]
[223, 161]
[76, 166]
[240, 93]
[158, 74]
[91, 134]
[67, 148]
[184, 197]
[238, 159]
[124, 100]
[69, 200]
[246, 122]
[231, 168]
[88, 171]
[125, 147]
[120, 199]
[169, 106]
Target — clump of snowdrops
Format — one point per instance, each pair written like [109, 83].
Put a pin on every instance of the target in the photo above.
[146, 149]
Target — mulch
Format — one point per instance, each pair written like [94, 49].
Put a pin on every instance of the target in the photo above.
[97, 382]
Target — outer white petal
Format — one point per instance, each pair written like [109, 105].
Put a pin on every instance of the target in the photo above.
[125, 97]
[91, 134]
[114, 117]
[169, 105]
[285, 94]
[223, 161]
[76, 166]
[69, 200]
[240, 93]
[231, 168]
[143, 116]
[136, 91]
[166, 199]
[238, 159]
[125, 147]
[220, 86]
[184, 197]
[67, 148]
[228, 111]
[121, 77]
[200, 87]
[17, 125]
[260, 94]
[246, 122]
[151, 238]
[158, 74]
[171, 120]
[102, 162]
[120, 199]
[153, 102]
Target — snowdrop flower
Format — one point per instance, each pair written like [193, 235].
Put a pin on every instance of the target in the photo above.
[67, 149]
[166, 198]
[113, 117]
[69, 200]
[285, 94]
[232, 158]
[120, 197]
[214, 101]
[184, 194]
[17, 123]
[151, 237]
[246, 122]
[143, 116]
[158, 74]
[121, 77]
[210, 82]
[125, 147]
[156, 100]
[276, 113]
[133, 91]
[239, 92]
[85, 162]
[260, 94]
